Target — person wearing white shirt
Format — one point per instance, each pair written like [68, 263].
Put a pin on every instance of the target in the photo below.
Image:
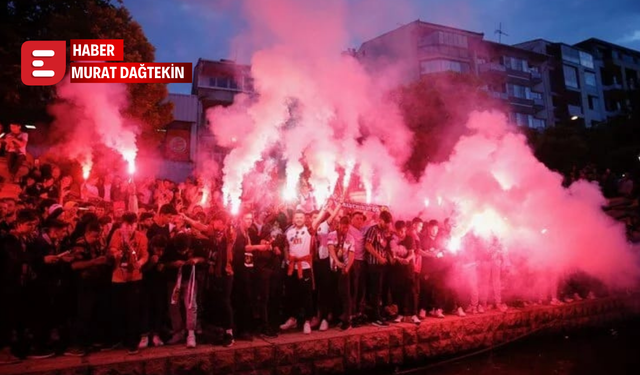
[299, 273]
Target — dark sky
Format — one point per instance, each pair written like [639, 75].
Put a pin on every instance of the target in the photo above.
[184, 30]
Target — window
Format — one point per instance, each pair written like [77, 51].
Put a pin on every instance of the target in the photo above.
[516, 64]
[518, 91]
[570, 54]
[537, 123]
[536, 95]
[445, 50]
[571, 77]
[586, 60]
[594, 103]
[441, 37]
[435, 66]
[590, 79]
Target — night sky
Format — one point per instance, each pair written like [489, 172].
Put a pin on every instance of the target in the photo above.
[185, 30]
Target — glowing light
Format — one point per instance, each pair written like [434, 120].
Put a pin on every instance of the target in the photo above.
[488, 223]
[28, 126]
[205, 196]
[348, 169]
[426, 202]
[86, 169]
[289, 192]
[439, 201]
[543, 231]
[235, 206]
[574, 118]
[234, 139]
[454, 245]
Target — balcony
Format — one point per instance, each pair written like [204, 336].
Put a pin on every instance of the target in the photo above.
[536, 76]
[574, 110]
[612, 86]
[538, 102]
[492, 67]
[499, 95]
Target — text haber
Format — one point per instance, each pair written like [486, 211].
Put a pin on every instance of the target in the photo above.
[93, 50]
[97, 50]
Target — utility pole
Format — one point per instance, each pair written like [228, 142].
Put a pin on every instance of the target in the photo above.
[500, 33]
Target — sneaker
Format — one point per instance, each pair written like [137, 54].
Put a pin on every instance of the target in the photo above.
[307, 328]
[315, 322]
[177, 338]
[324, 325]
[75, 352]
[480, 309]
[502, 307]
[380, 323]
[157, 341]
[399, 319]
[591, 296]
[41, 354]
[422, 314]
[577, 297]
[473, 310]
[133, 351]
[291, 323]
[144, 342]
[415, 320]
[227, 340]
[439, 314]
[345, 326]
[460, 312]
[432, 312]
[556, 302]
[191, 340]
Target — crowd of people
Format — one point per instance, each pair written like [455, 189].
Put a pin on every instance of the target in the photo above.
[109, 262]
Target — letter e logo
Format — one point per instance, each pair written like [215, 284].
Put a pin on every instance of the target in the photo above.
[43, 62]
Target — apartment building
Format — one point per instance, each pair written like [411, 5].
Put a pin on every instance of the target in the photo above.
[619, 69]
[216, 83]
[516, 76]
[576, 88]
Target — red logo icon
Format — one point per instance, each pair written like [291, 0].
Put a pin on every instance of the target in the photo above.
[44, 62]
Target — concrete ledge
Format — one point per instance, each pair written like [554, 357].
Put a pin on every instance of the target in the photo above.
[334, 352]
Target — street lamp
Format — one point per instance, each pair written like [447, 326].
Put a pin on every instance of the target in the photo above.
[574, 118]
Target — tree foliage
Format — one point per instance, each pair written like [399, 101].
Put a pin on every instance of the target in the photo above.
[25, 20]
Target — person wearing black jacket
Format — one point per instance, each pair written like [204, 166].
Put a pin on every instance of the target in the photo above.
[92, 272]
[51, 288]
[17, 275]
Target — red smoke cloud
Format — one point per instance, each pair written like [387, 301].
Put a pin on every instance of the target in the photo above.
[89, 115]
[316, 106]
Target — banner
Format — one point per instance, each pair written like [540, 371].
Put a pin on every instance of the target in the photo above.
[178, 144]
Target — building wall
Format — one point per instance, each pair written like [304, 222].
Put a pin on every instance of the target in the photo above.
[619, 70]
[422, 48]
[570, 71]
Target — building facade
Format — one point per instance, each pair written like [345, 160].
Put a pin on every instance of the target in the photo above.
[216, 83]
[514, 75]
[619, 69]
[576, 88]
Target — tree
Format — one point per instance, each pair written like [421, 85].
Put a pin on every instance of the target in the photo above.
[436, 108]
[75, 19]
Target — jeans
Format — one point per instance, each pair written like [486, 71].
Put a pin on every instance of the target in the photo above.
[358, 274]
[185, 303]
[14, 161]
[377, 280]
[300, 295]
[126, 312]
